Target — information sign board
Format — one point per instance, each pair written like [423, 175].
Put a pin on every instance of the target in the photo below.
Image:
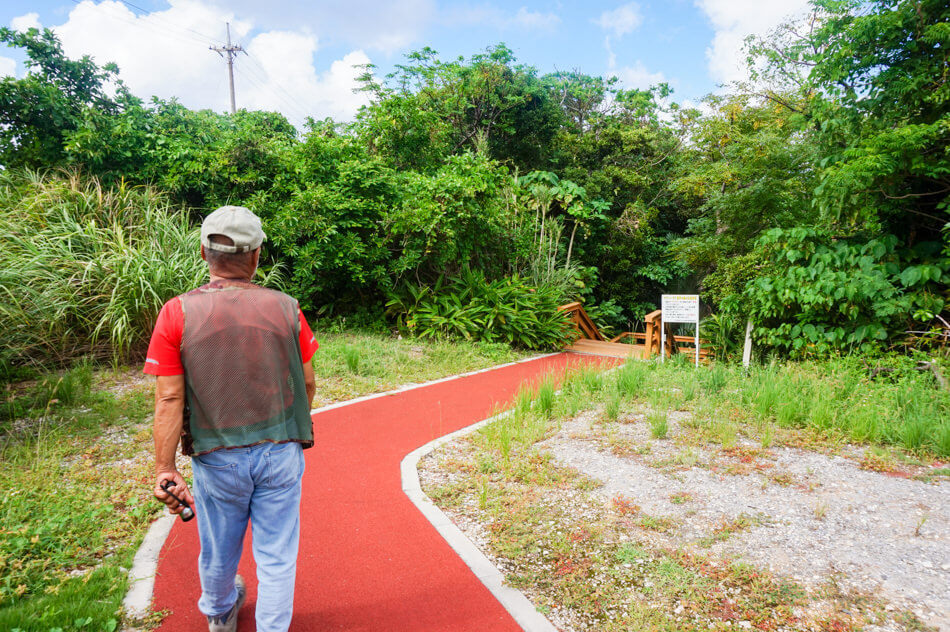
[679, 308]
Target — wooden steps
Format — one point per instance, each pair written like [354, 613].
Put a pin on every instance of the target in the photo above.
[609, 349]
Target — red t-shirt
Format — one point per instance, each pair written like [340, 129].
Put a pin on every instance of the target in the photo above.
[164, 349]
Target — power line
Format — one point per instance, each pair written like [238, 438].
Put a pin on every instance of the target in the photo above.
[283, 94]
[264, 82]
[295, 119]
[137, 22]
[154, 16]
[231, 52]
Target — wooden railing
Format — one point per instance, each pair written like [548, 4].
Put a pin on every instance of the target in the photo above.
[651, 339]
[581, 321]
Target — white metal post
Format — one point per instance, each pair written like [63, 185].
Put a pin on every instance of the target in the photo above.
[697, 341]
[662, 339]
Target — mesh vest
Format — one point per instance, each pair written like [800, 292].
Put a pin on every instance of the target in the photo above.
[244, 380]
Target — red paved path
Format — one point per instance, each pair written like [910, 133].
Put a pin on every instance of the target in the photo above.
[368, 559]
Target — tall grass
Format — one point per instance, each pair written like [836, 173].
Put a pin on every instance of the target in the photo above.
[840, 399]
[836, 399]
[84, 270]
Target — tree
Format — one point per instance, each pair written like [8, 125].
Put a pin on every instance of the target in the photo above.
[430, 109]
[750, 167]
[872, 81]
[877, 78]
[38, 111]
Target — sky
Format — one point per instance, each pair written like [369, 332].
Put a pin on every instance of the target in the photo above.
[301, 57]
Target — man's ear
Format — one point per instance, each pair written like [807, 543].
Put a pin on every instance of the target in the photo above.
[203, 257]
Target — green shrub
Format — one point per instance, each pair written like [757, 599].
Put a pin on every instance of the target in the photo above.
[470, 306]
[820, 294]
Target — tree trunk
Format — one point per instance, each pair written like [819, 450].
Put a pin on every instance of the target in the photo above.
[570, 245]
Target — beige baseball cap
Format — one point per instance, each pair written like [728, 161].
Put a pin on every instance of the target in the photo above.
[236, 222]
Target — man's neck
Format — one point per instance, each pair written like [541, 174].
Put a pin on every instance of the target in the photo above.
[215, 279]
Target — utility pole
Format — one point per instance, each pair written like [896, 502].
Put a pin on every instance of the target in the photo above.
[231, 52]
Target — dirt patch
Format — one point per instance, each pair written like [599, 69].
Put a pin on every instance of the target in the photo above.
[820, 520]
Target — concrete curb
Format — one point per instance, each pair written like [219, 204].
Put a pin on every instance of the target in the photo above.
[138, 600]
[514, 601]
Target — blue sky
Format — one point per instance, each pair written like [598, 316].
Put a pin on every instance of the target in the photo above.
[301, 54]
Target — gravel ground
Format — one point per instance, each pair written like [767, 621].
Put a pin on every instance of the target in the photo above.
[806, 515]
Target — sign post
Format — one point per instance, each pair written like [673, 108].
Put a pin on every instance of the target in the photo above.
[678, 308]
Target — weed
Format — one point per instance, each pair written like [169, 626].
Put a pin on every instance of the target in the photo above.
[766, 435]
[624, 505]
[715, 378]
[524, 400]
[486, 464]
[544, 401]
[351, 356]
[688, 390]
[661, 524]
[612, 407]
[725, 432]
[729, 527]
[913, 434]
[680, 498]
[941, 440]
[630, 553]
[47, 511]
[920, 524]
[878, 460]
[630, 379]
[591, 380]
[483, 494]
[784, 479]
[659, 426]
[387, 362]
[821, 510]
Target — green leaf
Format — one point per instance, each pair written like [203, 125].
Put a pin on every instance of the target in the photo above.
[911, 276]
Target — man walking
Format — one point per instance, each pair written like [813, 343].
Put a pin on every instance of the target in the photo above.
[235, 385]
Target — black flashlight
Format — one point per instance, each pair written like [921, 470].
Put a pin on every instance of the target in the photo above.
[187, 513]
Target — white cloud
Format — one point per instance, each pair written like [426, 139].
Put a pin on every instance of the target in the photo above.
[7, 67]
[535, 19]
[622, 20]
[637, 76]
[26, 21]
[733, 21]
[165, 53]
[385, 26]
[285, 60]
[489, 15]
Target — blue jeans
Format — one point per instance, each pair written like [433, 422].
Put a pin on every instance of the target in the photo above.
[260, 483]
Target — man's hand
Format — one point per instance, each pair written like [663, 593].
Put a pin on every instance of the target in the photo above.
[180, 489]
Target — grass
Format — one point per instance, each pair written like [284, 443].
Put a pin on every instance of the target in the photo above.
[659, 426]
[77, 500]
[83, 269]
[352, 364]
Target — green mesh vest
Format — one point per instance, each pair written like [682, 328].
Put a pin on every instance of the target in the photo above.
[244, 380]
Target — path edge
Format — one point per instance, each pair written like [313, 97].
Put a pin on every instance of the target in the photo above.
[524, 612]
[138, 600]
[137, 603]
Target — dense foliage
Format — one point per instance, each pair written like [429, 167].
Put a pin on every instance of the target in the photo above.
[84, 270]
[813, 200]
